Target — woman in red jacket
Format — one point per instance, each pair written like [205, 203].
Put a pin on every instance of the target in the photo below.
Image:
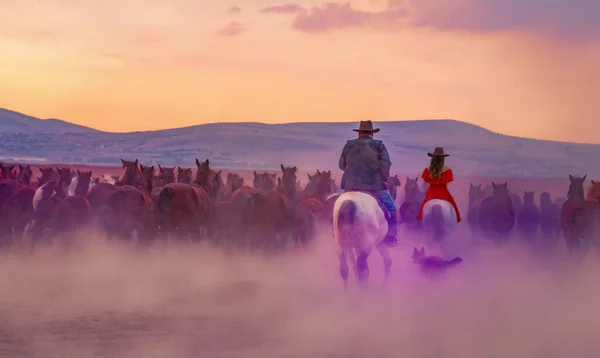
[438, 176]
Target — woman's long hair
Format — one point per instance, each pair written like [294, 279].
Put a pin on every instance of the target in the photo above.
[435, 167]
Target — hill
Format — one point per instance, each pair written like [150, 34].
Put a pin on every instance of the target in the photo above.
[475, 150]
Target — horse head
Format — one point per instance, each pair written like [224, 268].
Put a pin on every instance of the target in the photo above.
[288, 179]
[528, 197]
[593, 193]
[25, 174]
[166, 175]
[576, 191]
[233, 182]
[184, 175]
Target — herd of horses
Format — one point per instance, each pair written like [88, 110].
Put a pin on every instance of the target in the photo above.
[176, 204]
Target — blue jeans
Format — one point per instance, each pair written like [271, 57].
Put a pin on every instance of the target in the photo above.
[388, 202]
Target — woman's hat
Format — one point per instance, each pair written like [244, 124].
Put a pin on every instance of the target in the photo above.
[366, 126]
[438, 152]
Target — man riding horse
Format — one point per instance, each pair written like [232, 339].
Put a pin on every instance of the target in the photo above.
[366, 165]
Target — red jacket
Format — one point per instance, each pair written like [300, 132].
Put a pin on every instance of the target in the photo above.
[438, 189]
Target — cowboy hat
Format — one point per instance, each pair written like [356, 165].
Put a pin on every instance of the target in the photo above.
[366, 126]
[438, 152]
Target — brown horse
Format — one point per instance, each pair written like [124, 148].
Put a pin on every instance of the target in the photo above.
[7, 172]
[271, 217]
[549, 222]
[574, 217]
[265, 182]
[580, 217]
[8, 188]
[528, 218]
[231, 218]
[72, 215]
[232, 183]
[413, 198]
[179, 208]
[496, 215]
[184, 175]
[47, 174]
[25, 174]
[393, 184]
[476, 196]
[132, 176]
[130, 209]
[206, 186]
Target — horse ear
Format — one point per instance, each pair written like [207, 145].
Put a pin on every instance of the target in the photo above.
[593, 181]
[309, 177]
[583, 179]
[219, 172]
[282, 168]
[197, 162]
[470, 185]
[123, 162]
[206, 162]
[570, 177]
[136, 162]
[78, 172]
[422, 251]
[493, 185]
[318, 172]
[295, 169]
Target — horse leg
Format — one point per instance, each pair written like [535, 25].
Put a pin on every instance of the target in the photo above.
[387, 260]
[344, 269]
[362, 267]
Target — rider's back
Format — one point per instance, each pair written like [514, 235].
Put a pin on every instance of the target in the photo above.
[367, 164]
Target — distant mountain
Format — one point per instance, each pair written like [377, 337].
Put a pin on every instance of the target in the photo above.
[474, 150]
[15, 122]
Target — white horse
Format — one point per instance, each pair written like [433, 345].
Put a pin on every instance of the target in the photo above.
[439, 219]
[359, 225]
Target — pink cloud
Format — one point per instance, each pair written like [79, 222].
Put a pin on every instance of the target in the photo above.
[332, 16]
[232, 29]
[284, 9]
[234, 10]
[553, 18]
[557, 18]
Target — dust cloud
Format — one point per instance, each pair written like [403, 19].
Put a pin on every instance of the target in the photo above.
[109, 300]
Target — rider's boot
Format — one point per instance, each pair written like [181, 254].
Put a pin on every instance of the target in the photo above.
[390, 239]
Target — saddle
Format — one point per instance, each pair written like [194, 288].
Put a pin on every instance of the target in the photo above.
[373, 194]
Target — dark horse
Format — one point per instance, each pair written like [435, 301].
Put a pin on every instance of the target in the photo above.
[496, 215]
[413, 198]
[578, 216]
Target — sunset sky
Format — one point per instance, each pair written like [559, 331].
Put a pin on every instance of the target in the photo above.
[520, 67]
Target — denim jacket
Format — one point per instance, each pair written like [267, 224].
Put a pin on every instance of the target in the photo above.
[366, 164]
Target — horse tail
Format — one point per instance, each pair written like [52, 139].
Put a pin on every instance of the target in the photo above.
[347, 213]
[164, 199]
[455, 261]
[252, 207]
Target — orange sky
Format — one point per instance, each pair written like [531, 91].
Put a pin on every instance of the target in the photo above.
[513, 66]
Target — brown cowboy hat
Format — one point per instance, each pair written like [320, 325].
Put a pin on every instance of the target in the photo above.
[438, 152]
[366, 126]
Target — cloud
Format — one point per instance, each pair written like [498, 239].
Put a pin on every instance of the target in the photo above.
[232, 29]
[575, 19]
[556, 18]
[332, 16]
[234, 10]
[284, 9]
